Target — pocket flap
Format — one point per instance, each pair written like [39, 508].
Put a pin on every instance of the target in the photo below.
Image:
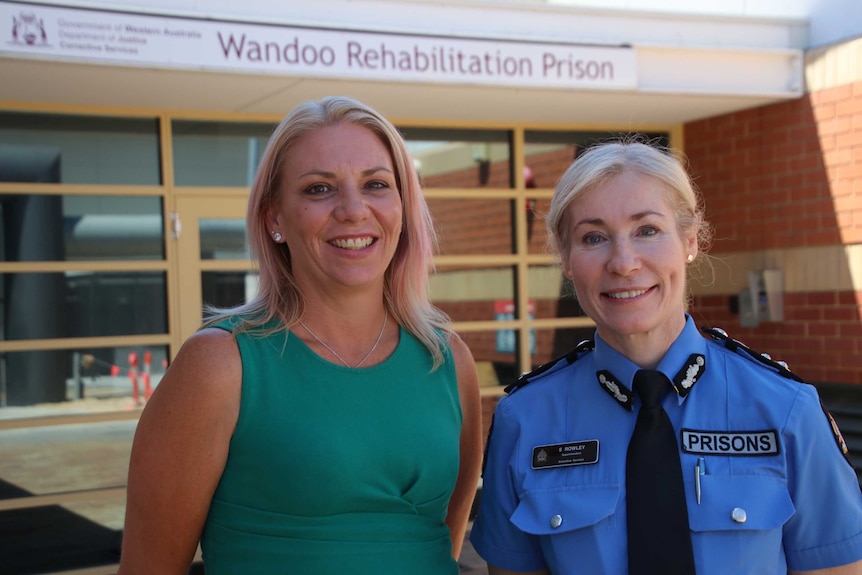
[547, 511]
[763, 501]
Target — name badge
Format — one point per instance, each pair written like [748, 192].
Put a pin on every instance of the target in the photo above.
[730, 442]
[565, 454]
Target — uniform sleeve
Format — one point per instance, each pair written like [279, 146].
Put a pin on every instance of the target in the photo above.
[494, 536]
[826, 530]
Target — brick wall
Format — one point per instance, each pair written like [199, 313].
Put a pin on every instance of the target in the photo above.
[820, 337]
[784, 177]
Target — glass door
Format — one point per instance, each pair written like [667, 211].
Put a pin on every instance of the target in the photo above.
[214, 265]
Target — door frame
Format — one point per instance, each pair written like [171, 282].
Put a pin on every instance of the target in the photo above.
[190, 210]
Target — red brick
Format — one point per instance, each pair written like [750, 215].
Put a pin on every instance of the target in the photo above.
[841, 313]
[802, 314]
[836, 94]
[850, 330]
[849, 106]
[848, 138]
[795, 299]
[838, 156]
[844, 346]
[822, 298]
[850, 298]
[823, 329]
[849, 172]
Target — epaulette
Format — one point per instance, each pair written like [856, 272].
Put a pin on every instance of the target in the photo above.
[781, 368]
[568, 358]
[737, 346]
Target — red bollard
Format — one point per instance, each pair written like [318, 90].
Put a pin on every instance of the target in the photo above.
[133, 376]
[148, 390]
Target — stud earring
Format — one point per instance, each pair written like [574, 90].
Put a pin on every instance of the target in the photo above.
[690, 258]
[276, 236]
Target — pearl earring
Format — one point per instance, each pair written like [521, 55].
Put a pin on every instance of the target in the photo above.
[276, 236]
[690, 258]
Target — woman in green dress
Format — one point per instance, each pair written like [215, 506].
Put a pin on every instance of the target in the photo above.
[332, 423]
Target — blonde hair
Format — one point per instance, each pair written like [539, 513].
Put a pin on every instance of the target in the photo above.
[604, 161]
[406, 280]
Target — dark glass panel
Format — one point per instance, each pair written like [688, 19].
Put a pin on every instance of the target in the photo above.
[218, 153]
[41, 227]
[227, 288]
[58, 148]
[82, 304]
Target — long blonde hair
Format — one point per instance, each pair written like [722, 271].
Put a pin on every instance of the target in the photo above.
[405, 288]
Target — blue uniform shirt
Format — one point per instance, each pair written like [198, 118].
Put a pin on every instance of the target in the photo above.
[776, 491]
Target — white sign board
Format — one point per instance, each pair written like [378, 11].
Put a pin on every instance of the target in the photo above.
[65, 34]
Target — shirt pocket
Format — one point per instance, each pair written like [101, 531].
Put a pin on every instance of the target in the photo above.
[580, 522]
[563, 509]
[738, 525]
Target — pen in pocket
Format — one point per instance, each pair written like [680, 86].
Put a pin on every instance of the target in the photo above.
[699, 469]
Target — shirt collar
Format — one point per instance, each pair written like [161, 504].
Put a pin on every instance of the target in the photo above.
[683, 364]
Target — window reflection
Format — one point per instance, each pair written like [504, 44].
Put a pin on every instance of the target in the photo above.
[56, 148]
[496, 366]
[553, 343]
[60, 459]
[42, 227]
[452, 158]
[228, 289]
[82, 304]
[473, 226]
[472, 293]
[548, 154]
[553, 292]
[85, 380]
[223, 239]
[93, 455]
[537, 235]
[218, 153]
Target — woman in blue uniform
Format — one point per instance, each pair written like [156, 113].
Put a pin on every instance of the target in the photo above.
[763, 484]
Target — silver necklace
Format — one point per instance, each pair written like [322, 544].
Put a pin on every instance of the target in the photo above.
[335, 353]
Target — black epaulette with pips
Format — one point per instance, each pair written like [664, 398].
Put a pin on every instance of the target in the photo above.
[568, 358]
[781, 368]
[737, 346]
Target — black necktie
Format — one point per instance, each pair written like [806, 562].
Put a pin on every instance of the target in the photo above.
[659, 539]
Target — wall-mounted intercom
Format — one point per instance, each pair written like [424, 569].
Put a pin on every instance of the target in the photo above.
[763, 299]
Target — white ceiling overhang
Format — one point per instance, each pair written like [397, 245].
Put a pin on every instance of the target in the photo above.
[696, 68]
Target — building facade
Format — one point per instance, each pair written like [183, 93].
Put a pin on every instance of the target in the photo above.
[130, 132]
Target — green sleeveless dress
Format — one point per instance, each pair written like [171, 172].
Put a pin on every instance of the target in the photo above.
[337, 470]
